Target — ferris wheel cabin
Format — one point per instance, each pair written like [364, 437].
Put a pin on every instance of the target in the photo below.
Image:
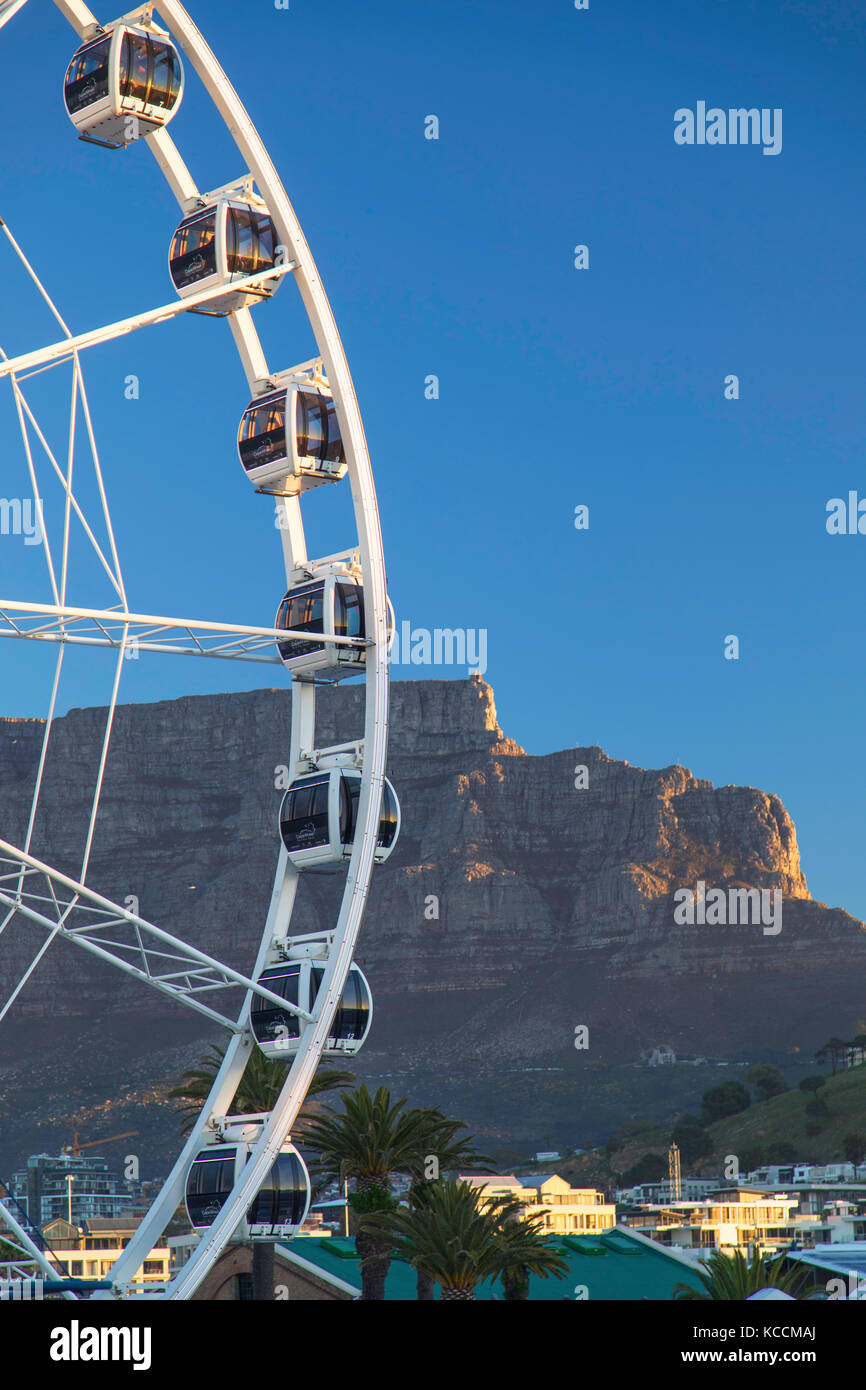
[328, 607]
[122, 84]
[277, 1212]
[277, 1031]
[291, 438]
[319, 813]
[224, 241]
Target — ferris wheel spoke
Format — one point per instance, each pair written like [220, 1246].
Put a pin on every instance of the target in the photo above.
[103, 760]
[156, 963]
[25, 410]
[115, 628]
[100, 483]
[17, 989]
[21, 410]
[64, 351]
[34, 277]
[78, 391]
[67, 505]
[43, 751]
[8, 10]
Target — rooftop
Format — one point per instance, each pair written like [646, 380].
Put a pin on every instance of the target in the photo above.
[617, 1266]
[844, 1258]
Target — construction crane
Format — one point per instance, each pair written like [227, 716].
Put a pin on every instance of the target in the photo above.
[675, 1182]
[76, 1148]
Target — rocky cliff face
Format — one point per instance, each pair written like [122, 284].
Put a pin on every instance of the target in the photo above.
[516, 907]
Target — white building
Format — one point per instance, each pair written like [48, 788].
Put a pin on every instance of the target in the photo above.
[560, 1207]
[731, 1219]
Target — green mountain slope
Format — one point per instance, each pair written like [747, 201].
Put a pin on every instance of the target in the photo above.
[784, 1119]
[766, 1124]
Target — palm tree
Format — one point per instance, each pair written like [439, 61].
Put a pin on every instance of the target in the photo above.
[370, 1141]
[460, 1241]
[257, 1093]
[259, 1087]
[732, 1277]
[519, 1240]
[439, 1141]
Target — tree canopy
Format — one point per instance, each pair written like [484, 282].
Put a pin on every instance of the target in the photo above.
[730, 1098]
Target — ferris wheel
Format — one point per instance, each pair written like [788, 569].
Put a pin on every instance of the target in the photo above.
[300, 429]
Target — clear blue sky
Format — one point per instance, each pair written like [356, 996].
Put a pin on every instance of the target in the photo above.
[558, 386]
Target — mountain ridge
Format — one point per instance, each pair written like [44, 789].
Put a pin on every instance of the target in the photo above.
[555, 904]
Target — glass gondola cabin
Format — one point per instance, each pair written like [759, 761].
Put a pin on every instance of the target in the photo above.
[278, 1031]
[122, 85]
[290, 439]
[322, 608]
[319, 814]
[278, 1211]
[219, 243]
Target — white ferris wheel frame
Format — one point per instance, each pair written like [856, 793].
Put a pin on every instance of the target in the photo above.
[171, 965]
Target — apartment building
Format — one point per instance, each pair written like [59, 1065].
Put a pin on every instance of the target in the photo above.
[560, 1207]
[730, 1219]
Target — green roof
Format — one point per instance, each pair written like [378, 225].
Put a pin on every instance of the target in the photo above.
[617, 1268]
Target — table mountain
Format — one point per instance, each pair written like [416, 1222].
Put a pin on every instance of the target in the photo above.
[519, 906]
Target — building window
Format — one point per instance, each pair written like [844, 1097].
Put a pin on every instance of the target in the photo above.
[245, 1288]
[153, 1267]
